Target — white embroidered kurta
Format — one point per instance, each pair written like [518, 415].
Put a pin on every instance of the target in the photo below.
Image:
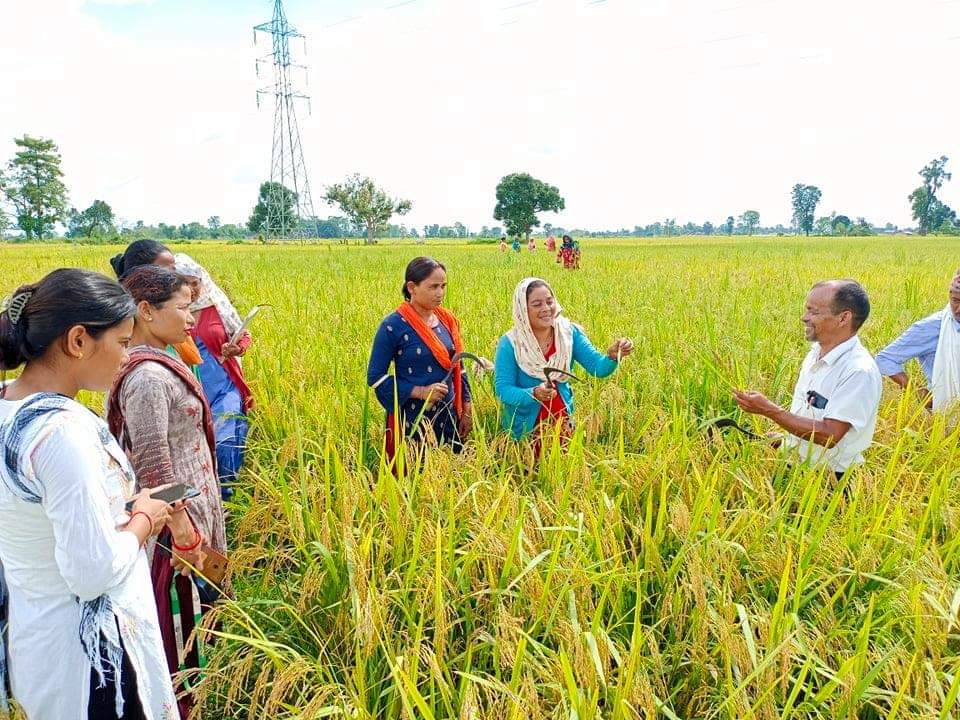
[68, 549]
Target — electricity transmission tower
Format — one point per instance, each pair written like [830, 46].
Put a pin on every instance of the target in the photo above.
[289, 204]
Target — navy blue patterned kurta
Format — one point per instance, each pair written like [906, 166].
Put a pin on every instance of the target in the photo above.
[398, 343]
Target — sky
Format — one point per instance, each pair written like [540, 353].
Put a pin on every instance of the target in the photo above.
[638, 110]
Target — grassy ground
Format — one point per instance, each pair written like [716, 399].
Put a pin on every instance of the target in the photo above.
[649, 571]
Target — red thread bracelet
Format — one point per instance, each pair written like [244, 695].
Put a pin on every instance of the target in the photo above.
[199, 539]
[149, 519]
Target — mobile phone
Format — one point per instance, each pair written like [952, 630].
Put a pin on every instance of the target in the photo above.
[816, 399]
[172, 494]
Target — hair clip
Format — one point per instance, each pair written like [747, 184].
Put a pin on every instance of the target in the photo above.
[16, 305]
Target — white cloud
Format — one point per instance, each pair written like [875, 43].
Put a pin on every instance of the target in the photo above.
[637, 109]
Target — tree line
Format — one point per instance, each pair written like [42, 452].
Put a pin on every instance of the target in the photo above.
[34, 199]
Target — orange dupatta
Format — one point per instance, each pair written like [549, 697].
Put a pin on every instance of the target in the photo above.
[437, 348]
[189, 352]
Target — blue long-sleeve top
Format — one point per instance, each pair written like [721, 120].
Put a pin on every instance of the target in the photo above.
[514, 387]
[917, 341]
[398, 344]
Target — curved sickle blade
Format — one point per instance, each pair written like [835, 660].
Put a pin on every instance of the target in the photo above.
[550, 372]
[459, 357]
[721, 423]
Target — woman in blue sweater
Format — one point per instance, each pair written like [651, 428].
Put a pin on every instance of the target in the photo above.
[541, 337]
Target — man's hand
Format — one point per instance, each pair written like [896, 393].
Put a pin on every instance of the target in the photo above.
[755, 403]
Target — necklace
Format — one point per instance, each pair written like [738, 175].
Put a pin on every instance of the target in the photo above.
[544, 347]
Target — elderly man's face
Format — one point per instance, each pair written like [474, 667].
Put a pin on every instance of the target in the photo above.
[955, 302]
[819, 322]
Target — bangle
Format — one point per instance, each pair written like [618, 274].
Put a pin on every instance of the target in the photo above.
[198, 539]
[149, 519]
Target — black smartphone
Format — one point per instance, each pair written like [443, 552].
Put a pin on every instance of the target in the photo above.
[172, 494]
[816, 399]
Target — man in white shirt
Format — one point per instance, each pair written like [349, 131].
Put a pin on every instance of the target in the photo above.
[834, 411]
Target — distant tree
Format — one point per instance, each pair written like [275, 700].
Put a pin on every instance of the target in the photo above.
[841, 225]
[804, 199]
[750, 220]
[729, 225]
[191, 231]
[929, 212]
[708, 228]
[862, 228]
[824, 224]
[34, 187]
[232, 231]
[214, 224]
[95, 221]
[167, 232]
[275, 211]
[520, 197]
[366, 204]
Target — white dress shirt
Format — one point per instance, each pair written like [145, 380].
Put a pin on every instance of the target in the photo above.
[849, 379]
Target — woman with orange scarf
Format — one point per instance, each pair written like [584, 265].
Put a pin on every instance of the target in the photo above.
[427, 393]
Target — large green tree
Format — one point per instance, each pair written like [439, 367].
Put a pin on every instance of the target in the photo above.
[34, 186]
[929, 212]
[520, 197]
[804, 199]
[96, 220]
[365, 204]
[275, 213]
[751, 221]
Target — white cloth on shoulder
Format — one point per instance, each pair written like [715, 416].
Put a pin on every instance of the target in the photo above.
[210, 293]
[946, 365]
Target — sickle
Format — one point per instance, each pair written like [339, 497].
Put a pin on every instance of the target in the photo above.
[549, 372]
[720, 423]
[458, 357]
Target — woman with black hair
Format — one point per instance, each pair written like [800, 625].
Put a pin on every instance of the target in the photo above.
[150, 252]
[142, 252]
[158, 411]
[420, 340]
[83, 631]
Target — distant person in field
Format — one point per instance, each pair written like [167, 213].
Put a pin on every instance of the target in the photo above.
[532, 244]
[151, 252]
[834, 411]
[158, 413]
[542, 337]
[503, 245]
[569, 254]
[935, 343]
[83, 636]
[221, 372]
[551, 244]
[419, 340]
[516, 244]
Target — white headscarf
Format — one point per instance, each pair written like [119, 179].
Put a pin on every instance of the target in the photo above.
[210, 293]
[525, 346]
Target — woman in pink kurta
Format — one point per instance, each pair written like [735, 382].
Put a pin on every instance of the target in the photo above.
[158, 412]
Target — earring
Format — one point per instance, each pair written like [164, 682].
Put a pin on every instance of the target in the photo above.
[80, 356]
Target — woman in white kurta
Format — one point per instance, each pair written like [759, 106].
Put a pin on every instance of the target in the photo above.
[81, 614]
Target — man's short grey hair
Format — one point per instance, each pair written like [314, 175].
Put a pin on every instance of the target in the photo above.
[849, 295]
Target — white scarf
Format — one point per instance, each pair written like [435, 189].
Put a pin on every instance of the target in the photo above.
[946, 365]
[525, 346]
[210, 293]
